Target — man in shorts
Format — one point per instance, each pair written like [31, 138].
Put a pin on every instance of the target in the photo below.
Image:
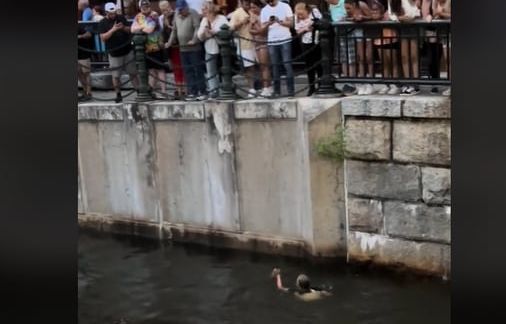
[84, 43]
[115, 33]
[239, 21]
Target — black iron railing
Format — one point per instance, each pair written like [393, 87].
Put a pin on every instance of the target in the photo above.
[393, 52]
[417, 52]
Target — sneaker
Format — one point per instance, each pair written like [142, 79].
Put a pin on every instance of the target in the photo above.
[84, 97]
[202, 98]
[119, 98]
[349, 90]
[383, 90]
[190, 97]
[410, 91]
[447, 92]
[434, 90]
[266, 92]
[393, 90]
[252, 93]
[360, 90]
[367, 89]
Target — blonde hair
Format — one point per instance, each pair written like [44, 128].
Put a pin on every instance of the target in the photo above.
[164, 4]
[302, 6]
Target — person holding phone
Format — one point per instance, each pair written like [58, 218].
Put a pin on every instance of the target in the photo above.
[278, 17]
[115, 33]
[210, 25]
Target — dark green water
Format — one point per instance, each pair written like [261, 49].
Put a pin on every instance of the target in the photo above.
[146, 282]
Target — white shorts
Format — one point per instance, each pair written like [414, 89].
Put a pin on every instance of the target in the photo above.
[248, 57]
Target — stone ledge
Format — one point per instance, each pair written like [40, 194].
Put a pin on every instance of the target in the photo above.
[177, 111]
[427, 107]
[373, 106]
[430, 258]
[100, 111]
[265, 109]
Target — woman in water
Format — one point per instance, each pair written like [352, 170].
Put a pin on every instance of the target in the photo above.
[303, 289]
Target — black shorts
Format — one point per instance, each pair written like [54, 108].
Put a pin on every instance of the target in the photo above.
[159, 57]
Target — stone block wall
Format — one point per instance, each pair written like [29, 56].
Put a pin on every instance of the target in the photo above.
[398, 179]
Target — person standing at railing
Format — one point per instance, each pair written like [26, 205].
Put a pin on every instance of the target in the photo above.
[115, 33]
[209, 26]
[372, 10]
[98, 15]
[278, 17]
[407, 11]
[259, 33]
[147, 21]
[438, 46]
[240, 22]
[86, 12]
[304, 18]
[357, 12]
[168, 9]
[84, 41]
[185, 28]
[338, 14]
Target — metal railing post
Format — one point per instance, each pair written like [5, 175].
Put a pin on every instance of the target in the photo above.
[139, 40]
[326, 84]
[224, 37]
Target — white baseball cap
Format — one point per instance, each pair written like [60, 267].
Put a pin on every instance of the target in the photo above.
[110, 7]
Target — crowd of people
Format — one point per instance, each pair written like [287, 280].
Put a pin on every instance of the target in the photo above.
[181, 38]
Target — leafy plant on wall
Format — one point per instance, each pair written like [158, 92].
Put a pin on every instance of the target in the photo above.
[332, 147]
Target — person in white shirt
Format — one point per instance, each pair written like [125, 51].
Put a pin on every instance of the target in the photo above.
[209, 26]
[278, 17]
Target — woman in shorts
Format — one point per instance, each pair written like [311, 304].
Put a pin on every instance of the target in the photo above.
[259, 33]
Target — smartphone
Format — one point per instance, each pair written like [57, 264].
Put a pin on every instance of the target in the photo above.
[273, 18]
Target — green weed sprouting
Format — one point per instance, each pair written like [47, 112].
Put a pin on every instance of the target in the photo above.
[332, 147]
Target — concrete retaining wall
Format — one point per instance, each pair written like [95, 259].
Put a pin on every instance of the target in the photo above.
[246, 174]
[398, 181]
[243, 171]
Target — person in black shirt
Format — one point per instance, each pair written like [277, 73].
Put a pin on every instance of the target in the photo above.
[303, 291]
[115, 33]
[84, 47]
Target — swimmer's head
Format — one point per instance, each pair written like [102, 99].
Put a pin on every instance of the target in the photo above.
[302, 282]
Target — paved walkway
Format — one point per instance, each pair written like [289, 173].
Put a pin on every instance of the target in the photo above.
[102, 90]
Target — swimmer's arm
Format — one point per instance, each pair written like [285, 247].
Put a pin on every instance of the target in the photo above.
[279, 284]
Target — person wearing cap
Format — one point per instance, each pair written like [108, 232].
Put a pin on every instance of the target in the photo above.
[147, 21]
[185, 32]
[303, 291]
[115, 33]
